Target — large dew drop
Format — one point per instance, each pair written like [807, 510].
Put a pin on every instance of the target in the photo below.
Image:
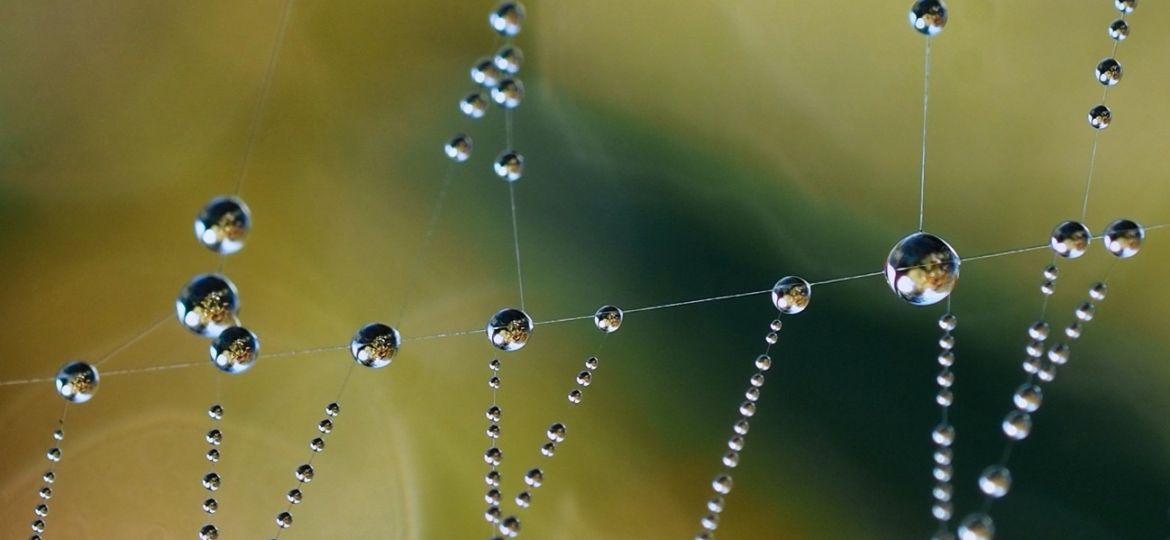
[77, 382]
[922, 269]
[208, 304]
[509, 329]
[375, 345]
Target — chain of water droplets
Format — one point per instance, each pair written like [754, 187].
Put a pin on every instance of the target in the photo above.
[943, 435]
[305, 472]
[722, 483]
[53, 455]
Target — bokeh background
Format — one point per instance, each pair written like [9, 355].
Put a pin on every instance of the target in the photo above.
[676, 150]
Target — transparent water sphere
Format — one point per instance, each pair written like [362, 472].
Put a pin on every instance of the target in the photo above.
[995, 481]
[1017, 425]
[77, 382]
[507, 18]
[1100, 116]
[977, 527]
[1119, 30]
[922, 269]
[1108, 72]
[284, 520]
[208, 304]
[485, 73]
[474, 105]
[928, 16]
[608, 319]
[722, 484]
[509, 59]
[459, 147]
[208, 532]
[791, 295]
[1125, 6]
[223, 225]
[1028, 397]
[1070, 239]
[235, 350]
[510, 526]
[509, 329]
[509, 93]
[375, 345]
[509, 165]
[1123, 238]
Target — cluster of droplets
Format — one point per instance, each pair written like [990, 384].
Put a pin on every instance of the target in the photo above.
[943, 435]
[496, 79]
[1109, 71]
[53, 455]
[304, 472]
[212, 480]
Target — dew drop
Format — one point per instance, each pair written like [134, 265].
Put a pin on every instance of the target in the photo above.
[995, 481]
[1017, 425]
[608, 319]
[509, 165]
[509, 329]
[223, 225]
[1123, 238]
[1070, 239]
[459, 148]
[922, 269]
[208, 304]
[375, 345]
[304, 473]
[77, 382]
[791, 295]
[234, 350]
[928, 17]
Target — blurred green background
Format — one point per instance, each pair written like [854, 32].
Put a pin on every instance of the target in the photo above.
[676, 150]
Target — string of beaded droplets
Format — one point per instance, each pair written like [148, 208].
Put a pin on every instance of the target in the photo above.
[943, 435]
[53, 455]
[790, 296]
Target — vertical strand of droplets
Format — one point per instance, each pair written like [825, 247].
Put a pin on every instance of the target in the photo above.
[722, 483]
[53, 455]
[212, 480]
[943, 435]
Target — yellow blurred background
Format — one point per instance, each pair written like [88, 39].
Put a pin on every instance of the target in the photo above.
[676, 150]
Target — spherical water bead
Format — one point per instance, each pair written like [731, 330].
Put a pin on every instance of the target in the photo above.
[493, 431]
[509, 329]
[736, 443]
[507, 18]
[722, 484]
[208, 532]
[556, 432]
[1119, 30]
[41, 510]
[215, 412]
[1125, 6]
[494, 382]
[1046, 372]
[922, 269]
[946, 342]
[284, 520]
[523, 499]
[1028, 397]
[772, 338]
[752, 394]
[574, 396]
[493, 456]
[304, 473]
[1070, 239]
[775, 325]
[375, 345]
[943, 491]
[58, 434]
[977, 527]
[942, 510]
[791, 295]
[492, 496]
[995, 481]
[492, 478]
[1017, 425]
[208, 304]
[1059, 354]
[1085, 311]
[948, 322]
[731, 459]
[509, 93]
[214, 437]
[223, 225]
[509, 59]
[548, 449]
[608, 319]
[325, 426]
[943, 473]
[210, 506]
[1098, 291]
[77, 382]
[234, 350]
[213, 455]
[494, 364]
[944, 456]
[49, 477]
[494, 413]
[211, 481]
[317, 444]
[585, 378]
[928, 16]
[1047, 288]
[1100, 117]
[945, 379]
[943, 435]
[534, 478]
[1051, 272]
[46, 493]
[946, 358]
[458, 148]
[710, 522]
[763, 362]
[945, 397]
[54, 455]
[1074, 330]
[333, 409]
[591, 363]
[510, 526]
[474, 105]
[492, 514]
[757, 380]
[485, 73]
[38, 526]
[1108, 72]
[509, 165]
[1123, 238]
[747, 409]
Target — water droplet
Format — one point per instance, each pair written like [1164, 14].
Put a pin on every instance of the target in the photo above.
[509, 93]
[210, 506]
[41, 510]
[213, 455]
[791, 295]
[223, 225]
[459, 147]
[1034, 348]
[214, 437]
[374, 345]
[752, 394]
[1108, 72]
[509, 329]
[1119, 30]
[523, 499]
[1070, 239]
[574, 396]
[58, 434]
[747, 409]
[304, 473]
[474, 105]
[736, 443]
[1123, 238]
[763, 362]
[1059, 354]
[1100, 117]
[549, 449]
[507, 18]
[46, 493]
[556, 432]
[1073, 331]
[235, 350]
[1047, 288]
[776, 325]
[1028, 397]
[977, 527]
[715, 504]
[211, 481]
[295, 496]
[284, 520]
[492, 514]
[944, 456]
[1017, 425]
[1085, 311]
[208, 304]
[494, 382]
[946, 358]
[943, 491]
[509, 59]
[995, 481]
[942, 510]
[943, 473]
[208, 532]
[1046, 371]
[494, 364]
[710, 522]
[317, 444]
[49, 477]
[215, 412]
[608, 319]
[1125, 6]
[77, 382]
[492, 478]
[757, 380]
[509, 165]
[534, 477]
[510, 526]
[945, 397]
[1051, 272]
[946, 342]
[325, 426]
[943, 435]
[731, 458]
[1098, 291]
[948, 322]
[591, 363]
[493, 456]
[1038, 331]
[922, 269]
[54, 454]
[332, 409]
[494, 413]
[741, 427]
[493, 431]
[722, 484]
[772, 338]
[585, 378]
[485, 73]
[492, 497]
[928, 16]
